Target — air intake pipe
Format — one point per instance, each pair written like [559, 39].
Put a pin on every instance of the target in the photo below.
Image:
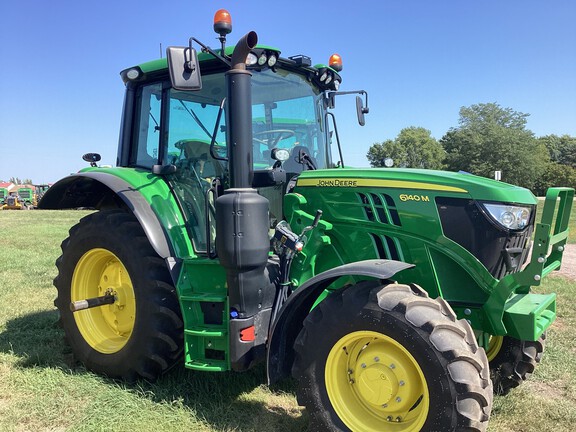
[241, 213]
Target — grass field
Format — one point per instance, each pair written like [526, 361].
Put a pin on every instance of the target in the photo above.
[42, 390]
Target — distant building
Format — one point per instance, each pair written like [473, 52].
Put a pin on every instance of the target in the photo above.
[8, 185]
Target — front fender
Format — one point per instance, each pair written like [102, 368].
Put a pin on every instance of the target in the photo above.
[288, 324]
[100, 190]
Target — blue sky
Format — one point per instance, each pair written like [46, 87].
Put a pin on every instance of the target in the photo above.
[419, 60]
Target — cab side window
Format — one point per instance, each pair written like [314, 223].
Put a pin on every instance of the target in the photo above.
[147, 136]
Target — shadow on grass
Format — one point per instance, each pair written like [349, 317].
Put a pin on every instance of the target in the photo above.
[226, 401]
[36, 339]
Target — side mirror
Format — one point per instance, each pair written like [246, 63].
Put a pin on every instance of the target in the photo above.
[92, 158]
[184, 68]
[361, 110]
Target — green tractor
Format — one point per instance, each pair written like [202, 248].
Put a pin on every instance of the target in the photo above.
[40, 190]
[3, 195]
[229, 235]
[27, 198]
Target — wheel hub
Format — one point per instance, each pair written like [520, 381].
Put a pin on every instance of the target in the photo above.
[371, 378]
[376, 384]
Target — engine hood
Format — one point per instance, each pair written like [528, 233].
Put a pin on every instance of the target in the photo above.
[411, 180]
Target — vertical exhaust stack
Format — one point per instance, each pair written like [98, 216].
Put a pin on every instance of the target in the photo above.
[241, 213]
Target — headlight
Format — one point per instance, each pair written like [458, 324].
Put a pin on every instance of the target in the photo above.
[251, 59]
[280, 154]
[509, 216]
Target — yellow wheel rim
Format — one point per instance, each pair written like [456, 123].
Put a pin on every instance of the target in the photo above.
[494, 346]
[374, 383]
[105, 328]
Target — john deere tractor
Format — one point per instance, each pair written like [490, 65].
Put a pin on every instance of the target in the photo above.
[27, 198]
[228, 235]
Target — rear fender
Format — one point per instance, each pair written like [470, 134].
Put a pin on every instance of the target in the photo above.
[101, 190]
[289, 322]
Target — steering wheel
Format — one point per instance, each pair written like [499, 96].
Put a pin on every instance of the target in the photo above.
[273, 136]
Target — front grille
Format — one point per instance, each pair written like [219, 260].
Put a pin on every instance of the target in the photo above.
[501, 251]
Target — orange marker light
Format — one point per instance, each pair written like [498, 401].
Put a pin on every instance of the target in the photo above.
[335, 62]
[222, 22]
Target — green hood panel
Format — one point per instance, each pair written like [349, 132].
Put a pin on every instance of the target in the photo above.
[410, 181]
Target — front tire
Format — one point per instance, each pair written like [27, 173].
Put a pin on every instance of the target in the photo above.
[370, 359]
[512, 361]
[141, 334]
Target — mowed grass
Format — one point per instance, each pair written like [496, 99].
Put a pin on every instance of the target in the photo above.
[42, 389]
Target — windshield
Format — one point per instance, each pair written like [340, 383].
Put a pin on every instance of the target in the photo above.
[286, 113]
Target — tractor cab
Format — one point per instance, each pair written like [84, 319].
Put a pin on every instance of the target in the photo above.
[289, 104]
[182, 129]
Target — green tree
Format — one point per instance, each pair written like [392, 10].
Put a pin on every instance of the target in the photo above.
[491, 138]
[19, 181]
[555, 175]
[562, 149]
[414, 147]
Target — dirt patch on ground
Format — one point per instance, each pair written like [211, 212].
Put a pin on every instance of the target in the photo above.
[569, 262]
[554, 390]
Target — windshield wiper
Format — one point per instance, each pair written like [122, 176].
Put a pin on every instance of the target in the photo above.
[196, 119]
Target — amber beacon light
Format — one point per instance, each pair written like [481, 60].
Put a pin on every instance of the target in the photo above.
[222, 22]
[335, 62]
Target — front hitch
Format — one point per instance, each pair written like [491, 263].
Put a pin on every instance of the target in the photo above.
[511, 309]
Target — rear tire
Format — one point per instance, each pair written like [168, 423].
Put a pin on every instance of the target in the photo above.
[373, 358]
[512, 361]
[141, 334]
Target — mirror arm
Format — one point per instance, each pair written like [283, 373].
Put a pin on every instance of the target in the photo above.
[332, 94]
[209, 50]
[336, 133]
[216, 125]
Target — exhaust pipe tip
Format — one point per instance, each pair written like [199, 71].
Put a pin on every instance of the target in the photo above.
[242, 49]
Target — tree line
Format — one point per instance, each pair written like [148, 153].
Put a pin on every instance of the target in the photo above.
[488, 138]
[17, 181]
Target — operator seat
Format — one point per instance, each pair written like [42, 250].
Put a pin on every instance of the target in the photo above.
[197, 153]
